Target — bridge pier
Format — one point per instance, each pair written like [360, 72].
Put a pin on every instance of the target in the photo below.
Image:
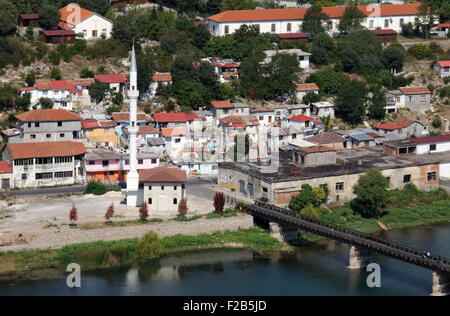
[360, 258]
[441, 284]
[282, 232]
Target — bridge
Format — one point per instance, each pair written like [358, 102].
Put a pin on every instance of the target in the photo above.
[284, 224]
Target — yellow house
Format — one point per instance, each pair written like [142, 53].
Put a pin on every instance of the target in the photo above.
[100, 134]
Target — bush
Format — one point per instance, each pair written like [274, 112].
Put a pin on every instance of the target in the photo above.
[310, 211]
[149, 246]
[219, 202]
[143, 212]
[419, 51]
[96, 188]
[436, 122]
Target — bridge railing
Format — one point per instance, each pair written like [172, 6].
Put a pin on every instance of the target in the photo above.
[350, 231]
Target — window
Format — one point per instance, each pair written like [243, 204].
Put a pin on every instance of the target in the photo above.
[149, 200]
[433, 147]
[175, 187]
[105, 163]
[23, 162]
[91, 162]
[265, 190]
[227, 29]
[24, 176]
[407, 178]
[274, 28]
[48, 135]
[371, 24]
[149, 187]
[177, 140]
[104, 31]
[44, 161]
[84, 33]
[64, 174]
[386, 22]
[94, 33]
[140, 161]
[431, 176]
[281, 137]
[33, 136]
[289, 27]
[59, 124]
[29, 124]
[127, 162]
[64, 159]
[402, 21]
[340, 186]
[46, 175]
[294, 136]
[261, 118]
[61, 135]
[162, 188]
[175, 201]
[154, 160]
[36, 124]
[183, 186]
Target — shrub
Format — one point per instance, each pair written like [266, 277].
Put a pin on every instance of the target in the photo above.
[86, 73]
[149, 246]
[143, 212]
[310, 211]
[419, 51]
[96, 188]
[109, 212]
[73, 215]
[182, 208]
[56, 74]
[219, 202]
[436, 122]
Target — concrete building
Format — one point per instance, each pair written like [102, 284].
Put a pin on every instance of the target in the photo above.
[361, 140]
[48, 126]
[112, 167]
[302, 57]
[417, 99]
[100, 134]
[305, 124]
[431, 144]
[90, 24]
[175, 139]
[313, 156]
[442, 68]
[303, 89]
[191, 121]
[6, 175]
[122, 119]
[280, 186]
[331, 140]
[158, 80]
[115, 82]
[404, 128]
[46, 163]
[323, 109]
[285, 136]
[221, 109]
[399, 147]
[143, 135]
[265, 115]
[162, 189]
[279, 21]
[226, 69]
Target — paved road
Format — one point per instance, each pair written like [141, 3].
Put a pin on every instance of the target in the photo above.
[49, 191]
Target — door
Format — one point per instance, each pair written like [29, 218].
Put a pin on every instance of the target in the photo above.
[5, 184]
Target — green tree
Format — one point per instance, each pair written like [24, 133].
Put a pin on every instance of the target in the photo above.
[98, 91]
[371, 194]
[30, 79]
[201, 36]
[149, 246]
[428, 11]
[394, 57]
[8, 18]
[146, 69]
[315, 21]
[283, 72]
[23, 103]
[306, 196]
[310, 97]
[310, 211]
[238, 5]
[85, 72]
[46, 103]
[377, 105]
[183, 68]
[351, 100]
[54, 58]
[56, 73]
[49, 16]
[328, 81]
[117, 98]
[351, 19]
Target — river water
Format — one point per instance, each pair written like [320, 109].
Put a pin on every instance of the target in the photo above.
[311, 270]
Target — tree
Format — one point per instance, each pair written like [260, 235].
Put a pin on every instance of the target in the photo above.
[46, 103]
[8, 18]
[85, 72]
[350, 101]
[351, 19]
[427, 13]
[183, 68]
[394, 57]
[109, 213]
[377, 105]
[283, 72]
[23, 103]
[149, 246]
[98, 90]
[219, 202]
[30, 79]
[117, 98]
[311, 97]
[238, 5]
[305, 197]
[182, 208]
[143, 212]
[56, 73]
[73, 215]
[328, 81]
[201, 36]
[49, 16]
[315, 21]
[309, 211]
[146, 69]
[371, 194]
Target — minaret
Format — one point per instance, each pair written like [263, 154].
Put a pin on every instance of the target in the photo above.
[133, 176]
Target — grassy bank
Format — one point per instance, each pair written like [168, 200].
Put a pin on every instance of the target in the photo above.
[101, 255]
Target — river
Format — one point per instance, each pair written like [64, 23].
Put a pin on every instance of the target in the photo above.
[311, 270]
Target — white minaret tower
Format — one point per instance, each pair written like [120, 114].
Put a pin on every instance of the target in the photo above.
[133, 176]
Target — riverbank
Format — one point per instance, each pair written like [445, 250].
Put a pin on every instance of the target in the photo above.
[103, 255]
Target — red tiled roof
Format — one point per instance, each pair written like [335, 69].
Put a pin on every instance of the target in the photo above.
[326, 138]
[162, 77]
[162, 174]
[48, 115]
[88, 124]
[73, 14]
[27, 89]
[239, 120]
[144, 130]
[107, 124]
[301, 118]
[125, 117]
[415, 90]
[443, 25]
[430, 139]
[384, 32]
[46, 149]
[444, 63]
[307, 87]
[59, 33]
[299, 13]
[389, 126]
[222, 104]
[31, 16]
[173, 131]
[292, 35]
[314, 149]
[179, 117]
[403, 121]
[5, 167]
[112, 78]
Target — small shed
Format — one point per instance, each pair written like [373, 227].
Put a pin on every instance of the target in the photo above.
[386, 36]
[26, 20]
[294, 37]
[59, 36]
[362, 140]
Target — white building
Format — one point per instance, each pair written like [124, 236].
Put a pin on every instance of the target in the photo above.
[265, 115]
[289, 20]
[322, 109]
[431, 144]
[159, 79]
[416, 99]
[176, 140]
[302, 57]
[303, 89]
[305, 124]
[442, 68]
[90, 24]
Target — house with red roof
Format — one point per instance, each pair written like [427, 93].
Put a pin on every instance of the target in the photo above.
[303, 89]
[431, 144]
[116, 82]
[6, 178]
[191, 121]
[442, 68]
[416, 99]
[159, 79]
[87, 23]
[226, 69]
[100, 134]
[289, 20]
[221, 109]
[305, 124]
[30, 19]
[404, 128]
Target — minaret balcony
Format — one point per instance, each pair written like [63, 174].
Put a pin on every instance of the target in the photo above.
[133, 94]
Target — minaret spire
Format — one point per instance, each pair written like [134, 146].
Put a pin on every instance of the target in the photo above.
[133, 94]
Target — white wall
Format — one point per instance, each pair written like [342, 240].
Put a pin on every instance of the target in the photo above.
[94, 22]
[425, 148]
[444, 170]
